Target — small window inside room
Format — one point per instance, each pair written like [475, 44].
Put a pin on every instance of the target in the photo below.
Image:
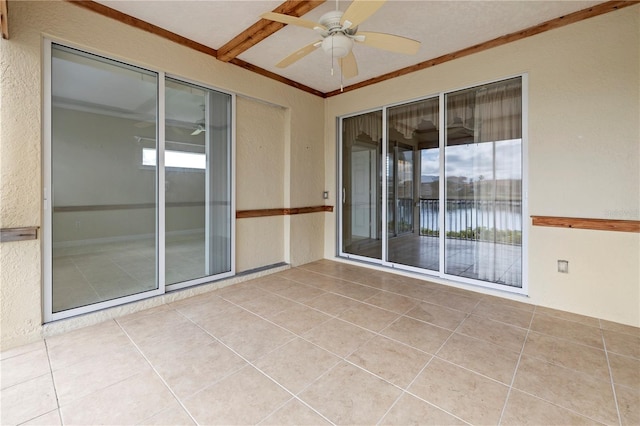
[112, 233]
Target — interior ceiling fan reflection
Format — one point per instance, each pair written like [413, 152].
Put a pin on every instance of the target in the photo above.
[339, 30]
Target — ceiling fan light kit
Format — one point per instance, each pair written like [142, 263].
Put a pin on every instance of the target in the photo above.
[339, 31]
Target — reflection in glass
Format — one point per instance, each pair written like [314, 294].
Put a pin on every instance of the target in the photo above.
[103, 200]
[413, 172]
[483, 158]
[362, 185]
[197, 184]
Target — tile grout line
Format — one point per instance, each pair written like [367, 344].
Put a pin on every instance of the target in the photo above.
[249, 363]
[53, 382]
[515, 371]
[613, 386]
[159, 376]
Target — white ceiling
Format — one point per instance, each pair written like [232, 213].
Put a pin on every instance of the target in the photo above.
[441, 26]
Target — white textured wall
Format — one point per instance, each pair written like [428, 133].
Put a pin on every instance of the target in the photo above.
[20, 150]
[584, 152]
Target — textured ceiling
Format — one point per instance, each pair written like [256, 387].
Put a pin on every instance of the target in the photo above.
[441, 26]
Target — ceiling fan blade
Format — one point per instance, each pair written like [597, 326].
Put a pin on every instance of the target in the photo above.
[197, 131]
[349, 66]
[298, 54]
[360, 11]
[390, 42]
[288, 19]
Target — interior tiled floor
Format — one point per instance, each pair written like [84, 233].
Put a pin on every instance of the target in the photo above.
[331, 343]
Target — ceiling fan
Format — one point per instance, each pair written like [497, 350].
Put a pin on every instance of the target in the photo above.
[199, 129]
[339, 30]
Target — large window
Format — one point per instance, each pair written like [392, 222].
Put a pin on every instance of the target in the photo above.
[453, 175]
[138, 183]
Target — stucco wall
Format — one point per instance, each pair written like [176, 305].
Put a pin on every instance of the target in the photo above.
[583, 152]
[21, 140]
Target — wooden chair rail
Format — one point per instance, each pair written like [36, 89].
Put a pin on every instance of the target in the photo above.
[584, 223]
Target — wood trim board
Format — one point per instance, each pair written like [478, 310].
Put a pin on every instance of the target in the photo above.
[19, 234]
[245, 40]
[584, 223]
[243, 214]
[4, 19]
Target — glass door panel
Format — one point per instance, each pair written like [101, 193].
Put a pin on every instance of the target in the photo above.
[197, 184]
[362, 185]
[413, 172]
[102, 197]
[483, 158]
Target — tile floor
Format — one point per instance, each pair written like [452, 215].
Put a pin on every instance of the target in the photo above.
[331, 343]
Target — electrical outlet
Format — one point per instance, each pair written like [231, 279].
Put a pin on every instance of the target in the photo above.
[325, 195]
[563, 266]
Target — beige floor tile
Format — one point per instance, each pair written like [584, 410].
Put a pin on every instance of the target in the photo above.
[569, 330]
[623, 344]
[390, 360]
[465, 394]
[92, 374]
[339, 396]
[157, 324]
[332, 304]
[338, 337]
[27, 401]
[72, 347]
[273, 283]
[392, 302]
[295, 413]
[620, 328]
[257, 340]
[491, 360]
[418, 334]
[569, 316]
[454, 301]
[202, 307]
[437, 315]
[231, 321]
[198, 368]
[503, 313]
[523, 409]
[26, 366]
[21, 350]
[174, 343]
[420, 290]
[267, 305]
[629, 405]
[625, 370]
[578, 392]
[296, 364]
[369, 317]
[354, 291]
[52, 418]
[410, 410]
[173, 415]
[145, 312]
[320, 281]
[299, 318]
[565, 353]
[240, 292]
[495, 332]
[245, 397]
[299, 292]
[127, 402]
[503, 301]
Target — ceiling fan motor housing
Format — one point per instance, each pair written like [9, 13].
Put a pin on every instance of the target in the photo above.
[336, 43]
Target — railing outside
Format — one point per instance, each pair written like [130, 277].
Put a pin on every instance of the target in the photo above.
[497, 221]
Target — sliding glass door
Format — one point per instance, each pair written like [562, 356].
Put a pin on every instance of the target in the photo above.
[453, 176]
[138, 183]
[483, 171]
[362, 185]
[197, 183]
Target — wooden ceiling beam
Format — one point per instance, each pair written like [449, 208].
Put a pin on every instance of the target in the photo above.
[4, 19]
[264, 28]
[580, 15]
